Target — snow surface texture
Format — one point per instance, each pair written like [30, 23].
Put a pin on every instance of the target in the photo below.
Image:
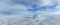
[29, 12]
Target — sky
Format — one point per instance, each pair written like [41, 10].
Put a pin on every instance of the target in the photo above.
[18, 9]
[34, 6]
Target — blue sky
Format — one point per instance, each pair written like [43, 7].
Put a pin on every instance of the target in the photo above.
[16, 6]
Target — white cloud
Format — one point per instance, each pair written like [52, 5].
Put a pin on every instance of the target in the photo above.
[19, 7]
[6, 5]
[46, 2]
